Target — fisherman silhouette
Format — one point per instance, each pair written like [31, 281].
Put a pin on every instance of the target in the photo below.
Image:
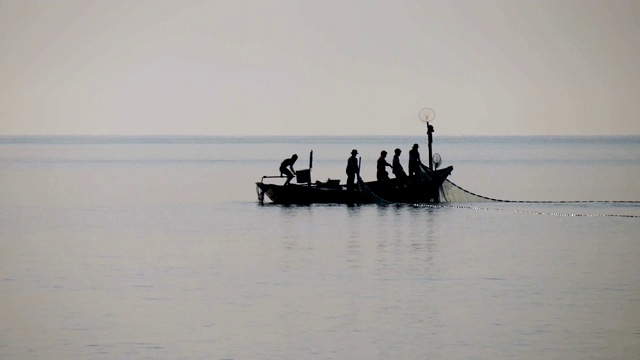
[352, 169]
[288, 163]
[398, 171]
[381, 165]
[414, 161]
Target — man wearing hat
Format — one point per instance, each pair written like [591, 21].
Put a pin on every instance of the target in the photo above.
[414, 160]
[352, 169]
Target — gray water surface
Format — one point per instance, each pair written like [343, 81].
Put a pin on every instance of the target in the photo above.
[155, 248]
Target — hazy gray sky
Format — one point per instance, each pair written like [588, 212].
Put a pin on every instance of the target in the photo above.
[319, 67]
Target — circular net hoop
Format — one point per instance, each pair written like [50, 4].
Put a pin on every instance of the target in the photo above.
[427, 115]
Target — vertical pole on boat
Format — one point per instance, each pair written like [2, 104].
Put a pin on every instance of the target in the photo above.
[310, 166]
[430, 141]
[310, 159]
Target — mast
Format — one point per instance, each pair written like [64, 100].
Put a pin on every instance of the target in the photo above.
[430, 141]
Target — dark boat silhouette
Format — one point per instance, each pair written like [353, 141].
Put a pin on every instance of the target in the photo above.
[423, 188]
[418, 189]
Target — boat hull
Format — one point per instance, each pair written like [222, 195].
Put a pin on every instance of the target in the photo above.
[418, 190]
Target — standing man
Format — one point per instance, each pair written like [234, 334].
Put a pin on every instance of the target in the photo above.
[398, 171]
[382, 174]
[414, 161]
[352, 169]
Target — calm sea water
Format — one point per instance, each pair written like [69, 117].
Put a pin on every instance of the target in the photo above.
[155, 248]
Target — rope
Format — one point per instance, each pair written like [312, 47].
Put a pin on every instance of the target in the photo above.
[380, 201]
[542, 201]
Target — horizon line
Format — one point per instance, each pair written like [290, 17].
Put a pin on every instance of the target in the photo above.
[315, 135]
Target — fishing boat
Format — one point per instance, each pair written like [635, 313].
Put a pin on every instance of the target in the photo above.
[424, 187]
[420, 189]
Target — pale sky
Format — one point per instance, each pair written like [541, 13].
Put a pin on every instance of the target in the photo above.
[344, 67]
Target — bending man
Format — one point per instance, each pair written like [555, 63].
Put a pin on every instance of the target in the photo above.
[288, 163]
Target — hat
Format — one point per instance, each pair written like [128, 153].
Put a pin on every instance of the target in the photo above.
[354, 152]
[415, 146]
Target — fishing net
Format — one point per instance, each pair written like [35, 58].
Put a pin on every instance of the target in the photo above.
[450, 192]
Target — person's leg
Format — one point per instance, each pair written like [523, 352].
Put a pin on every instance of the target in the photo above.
[288, 174]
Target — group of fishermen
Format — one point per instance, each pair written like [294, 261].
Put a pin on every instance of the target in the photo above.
[353, 169]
